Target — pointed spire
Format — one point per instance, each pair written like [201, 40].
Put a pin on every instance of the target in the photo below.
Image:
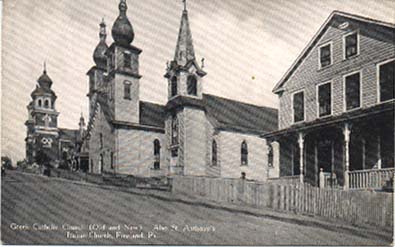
[103, 34]
[99, 54]
[185, 4]
[184, 49]
[45, 67]
[44, 81]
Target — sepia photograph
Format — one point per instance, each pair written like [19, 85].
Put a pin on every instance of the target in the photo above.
[197, 122]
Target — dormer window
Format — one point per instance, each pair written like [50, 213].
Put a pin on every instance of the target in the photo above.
[351, 45]
[173, 87]
[127, 60]
[325, 54]
[192, 85]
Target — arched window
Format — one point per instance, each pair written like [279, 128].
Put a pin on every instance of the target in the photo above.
[101, 163]
[244, 153]
[126, 90]
[270, 156]
[101, 140]
[174, 86]
[46, 103]
[214, 153]
[192, 85]
[39, 102]
[174, 130]
[156, 154]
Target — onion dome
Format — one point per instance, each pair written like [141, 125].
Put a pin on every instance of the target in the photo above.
[99, 54]
[44, 81]
[122, 30]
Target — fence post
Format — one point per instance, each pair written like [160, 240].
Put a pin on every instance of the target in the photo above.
[322, 179]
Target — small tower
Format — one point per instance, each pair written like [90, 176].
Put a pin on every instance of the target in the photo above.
[123, 70]
[96, 73]
[81, 125]
[184, 74]
[42, 123]
[186, 115]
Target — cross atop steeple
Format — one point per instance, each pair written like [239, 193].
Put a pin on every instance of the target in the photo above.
[45, 67]
[185, 4]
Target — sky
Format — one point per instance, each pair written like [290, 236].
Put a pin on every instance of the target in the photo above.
[247, 45]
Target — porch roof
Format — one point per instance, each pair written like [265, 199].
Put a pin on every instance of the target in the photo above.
[349, 116]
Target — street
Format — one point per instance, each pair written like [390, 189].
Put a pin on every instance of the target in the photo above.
[41, 210]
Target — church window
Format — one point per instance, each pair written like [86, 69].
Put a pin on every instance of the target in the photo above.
[244, 153]
[101, 163]
[174, 130]
[192, 85]
[270, 156]
[127, 90]
[101, 140]
[157, 154]
[46, 103]
[127, 60]
[386, 75]
[112, 160]
[39, 102]
[174, 86]
[214, 153]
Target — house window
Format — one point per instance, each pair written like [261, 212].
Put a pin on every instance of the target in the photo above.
[270, 156]
[353, 91]
[126, 90]
[386, 81]
[298, 106]
[350, 45]
[244, 153]
[127, 60]
[214, 153]
[324, 100]
[174, 130]
[173, 86]
[325, 55]
[101, 140]
[112, 160]
[192, 85]
[156, 154]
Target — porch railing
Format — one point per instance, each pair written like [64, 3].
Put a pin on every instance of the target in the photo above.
[374, 178]
[328, 180]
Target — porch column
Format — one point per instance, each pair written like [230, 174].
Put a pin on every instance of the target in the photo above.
[301, 152]
[346, 133]
[378, 150]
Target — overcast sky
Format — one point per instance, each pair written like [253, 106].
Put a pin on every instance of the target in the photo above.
[247, 45]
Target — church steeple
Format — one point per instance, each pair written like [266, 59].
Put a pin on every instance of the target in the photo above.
[122, 31]
[184, 48]
[99, 55]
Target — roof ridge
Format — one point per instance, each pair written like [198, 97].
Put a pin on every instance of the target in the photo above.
[240, 102]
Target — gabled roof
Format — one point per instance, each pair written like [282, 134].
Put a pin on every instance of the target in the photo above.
[229, 114]
[152, 114]
[318, 35]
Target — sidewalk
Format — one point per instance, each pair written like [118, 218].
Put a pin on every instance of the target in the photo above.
[363, 231]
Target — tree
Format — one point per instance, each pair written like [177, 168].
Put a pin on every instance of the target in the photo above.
[6, 162]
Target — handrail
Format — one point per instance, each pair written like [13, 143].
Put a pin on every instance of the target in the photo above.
[374, 178]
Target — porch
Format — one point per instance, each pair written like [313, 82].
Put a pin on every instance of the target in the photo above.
[351, 151]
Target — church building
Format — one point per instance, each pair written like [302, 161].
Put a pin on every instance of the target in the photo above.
[193, 134]
[46, 143]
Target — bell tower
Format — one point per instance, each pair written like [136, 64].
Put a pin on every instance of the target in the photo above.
[186, 116]
[123, 70]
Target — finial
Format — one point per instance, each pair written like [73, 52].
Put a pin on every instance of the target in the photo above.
[45, 67]
[202, 63]
[167, 64]
[185, 4]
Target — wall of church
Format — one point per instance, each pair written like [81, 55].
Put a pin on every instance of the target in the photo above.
[135, 152]
[212, 170]
[195, 142]
[126, 110]
[98, 148]
[230, 156]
